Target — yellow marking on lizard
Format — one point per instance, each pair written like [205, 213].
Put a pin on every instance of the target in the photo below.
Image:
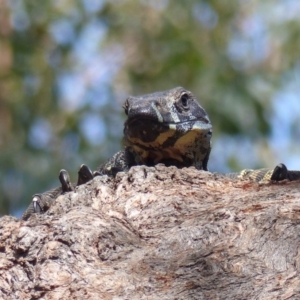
[187, 139]
[157, 143]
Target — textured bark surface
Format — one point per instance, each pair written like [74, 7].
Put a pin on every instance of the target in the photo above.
[158, 233]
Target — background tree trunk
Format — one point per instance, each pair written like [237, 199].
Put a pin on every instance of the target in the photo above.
[158, 233]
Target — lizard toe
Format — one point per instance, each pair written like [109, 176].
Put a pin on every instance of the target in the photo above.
[37, 204]
[84, 175]
[65, 181]
[280, 172]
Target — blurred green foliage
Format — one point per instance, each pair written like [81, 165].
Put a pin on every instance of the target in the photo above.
[66, 67]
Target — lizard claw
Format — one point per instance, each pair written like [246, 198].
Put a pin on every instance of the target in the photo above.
[110, 171]
[84, 175]
[40, 203]
[65, 181]
[36, 202]
[280, 172]
[96, 173]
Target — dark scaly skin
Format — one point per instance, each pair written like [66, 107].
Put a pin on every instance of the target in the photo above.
[42, 202]
[168, 127]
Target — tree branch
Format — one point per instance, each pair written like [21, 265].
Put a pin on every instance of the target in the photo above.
[158, 233]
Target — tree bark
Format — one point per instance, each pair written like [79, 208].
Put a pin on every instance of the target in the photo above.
[158, 233]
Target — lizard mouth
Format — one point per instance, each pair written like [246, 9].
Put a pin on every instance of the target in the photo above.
[137, 121]
[148, 130]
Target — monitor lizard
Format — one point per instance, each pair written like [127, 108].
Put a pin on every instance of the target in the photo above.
[168, 127]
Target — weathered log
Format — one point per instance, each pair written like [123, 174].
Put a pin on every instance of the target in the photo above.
[158, 233]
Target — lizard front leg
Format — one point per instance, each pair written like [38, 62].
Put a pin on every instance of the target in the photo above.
[42, 202]
[279, 173]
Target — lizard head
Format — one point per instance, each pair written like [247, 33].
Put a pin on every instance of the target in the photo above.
[170, 127]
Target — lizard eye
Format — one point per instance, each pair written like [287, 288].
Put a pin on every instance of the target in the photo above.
[184, 98]
[126, 106]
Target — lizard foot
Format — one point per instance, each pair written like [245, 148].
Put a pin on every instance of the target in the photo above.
[41, 202]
